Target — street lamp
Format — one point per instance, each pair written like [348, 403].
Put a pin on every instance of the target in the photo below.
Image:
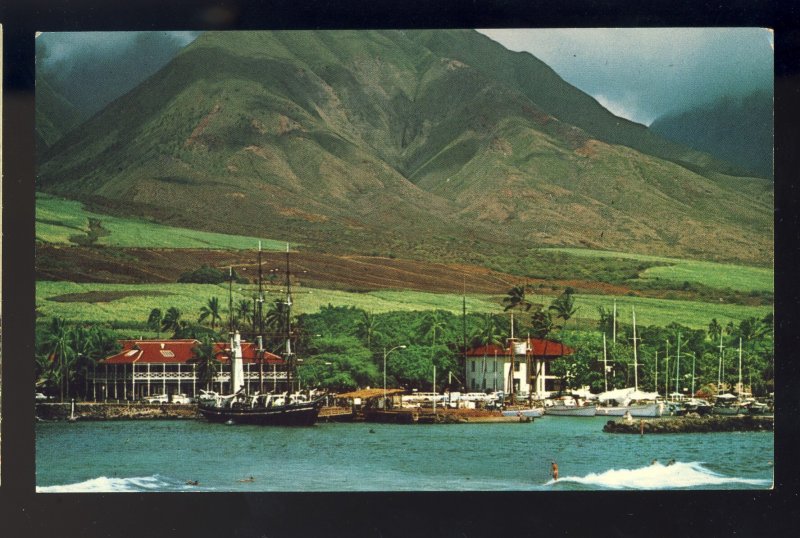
[386, 354]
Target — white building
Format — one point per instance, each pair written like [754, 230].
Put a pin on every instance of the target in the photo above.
[490, 367]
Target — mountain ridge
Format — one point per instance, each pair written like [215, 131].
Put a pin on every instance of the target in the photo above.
[361, 137]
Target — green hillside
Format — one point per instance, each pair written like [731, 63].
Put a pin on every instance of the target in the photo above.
[126, 305]
[64, 221]
[425, 144]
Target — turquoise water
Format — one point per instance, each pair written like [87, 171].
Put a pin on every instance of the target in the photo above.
[164, 455]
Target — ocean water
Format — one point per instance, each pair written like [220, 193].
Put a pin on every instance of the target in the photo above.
[165, 455]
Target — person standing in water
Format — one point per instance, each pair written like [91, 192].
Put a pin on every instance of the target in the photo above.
[554, 467]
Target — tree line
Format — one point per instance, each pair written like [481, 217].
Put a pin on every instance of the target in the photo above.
[343, 347]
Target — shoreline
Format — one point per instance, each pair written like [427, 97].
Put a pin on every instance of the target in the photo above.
[91, 411]
[696, 424]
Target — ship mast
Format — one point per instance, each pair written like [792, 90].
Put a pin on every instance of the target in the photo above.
[288, 349]
[259, 323]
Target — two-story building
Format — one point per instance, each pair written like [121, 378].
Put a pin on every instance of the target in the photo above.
[489, 367]
[147, 367]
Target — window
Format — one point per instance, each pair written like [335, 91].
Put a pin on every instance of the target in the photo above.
[516, 366]
[473, 365]
[167, 353]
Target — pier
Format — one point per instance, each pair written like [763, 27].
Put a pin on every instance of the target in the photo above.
[705, 424]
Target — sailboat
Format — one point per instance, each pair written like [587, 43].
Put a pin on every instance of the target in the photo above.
[727, 403]
[629, 400]
[266, 409]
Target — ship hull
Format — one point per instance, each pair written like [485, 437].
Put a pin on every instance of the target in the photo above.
[571, 411]
[646, 410]
[304, 414]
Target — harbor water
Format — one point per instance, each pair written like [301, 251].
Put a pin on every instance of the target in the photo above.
[164, 455]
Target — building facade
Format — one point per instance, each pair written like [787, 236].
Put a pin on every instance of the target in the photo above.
[522, 363]
[151, 367]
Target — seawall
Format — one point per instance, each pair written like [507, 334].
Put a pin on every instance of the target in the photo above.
[115, 411]
[706, 424]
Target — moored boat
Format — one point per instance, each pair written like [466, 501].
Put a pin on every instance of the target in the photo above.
[569, 407]
[262, 409]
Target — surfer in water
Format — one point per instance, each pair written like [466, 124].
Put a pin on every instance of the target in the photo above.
[250, 479]
[554, 467]
[192, 483]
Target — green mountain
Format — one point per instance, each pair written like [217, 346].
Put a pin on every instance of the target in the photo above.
[737, 130]
[434, 144]
[55, 115]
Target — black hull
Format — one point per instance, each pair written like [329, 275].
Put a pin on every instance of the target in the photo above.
[304, 414]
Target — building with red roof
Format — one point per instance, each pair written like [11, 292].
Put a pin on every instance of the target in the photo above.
[521, 364]
[146, 367]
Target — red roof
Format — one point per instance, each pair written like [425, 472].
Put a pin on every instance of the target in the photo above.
[539, 348]
[179, 352]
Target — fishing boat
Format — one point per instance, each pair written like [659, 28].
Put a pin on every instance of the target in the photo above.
[567, 406]
[616, 403]
[727, 404]
[264, 409]
[522, 411]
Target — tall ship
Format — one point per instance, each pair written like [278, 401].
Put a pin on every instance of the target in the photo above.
[266, 409]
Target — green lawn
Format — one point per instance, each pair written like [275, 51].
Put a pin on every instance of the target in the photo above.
[57, 219]
[715, 275]
[134, 309]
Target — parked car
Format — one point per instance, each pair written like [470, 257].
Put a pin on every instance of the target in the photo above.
[181, 399]
[41, 397]
[156, 399]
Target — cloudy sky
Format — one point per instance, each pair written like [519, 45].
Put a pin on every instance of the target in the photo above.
[636, 73]
[642, 73]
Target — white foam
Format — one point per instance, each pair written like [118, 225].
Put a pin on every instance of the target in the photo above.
[103, 484]
[659, 476]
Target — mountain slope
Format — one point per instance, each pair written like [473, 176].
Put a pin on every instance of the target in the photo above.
[735, 130]
[429, 144]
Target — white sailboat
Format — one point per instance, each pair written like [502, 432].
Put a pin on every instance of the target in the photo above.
[629, 400]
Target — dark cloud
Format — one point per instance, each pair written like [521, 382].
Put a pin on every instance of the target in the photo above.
[643, 73]
[90, 69]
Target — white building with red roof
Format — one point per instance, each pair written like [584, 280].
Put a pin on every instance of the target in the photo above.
[490, 367]
[148, 367]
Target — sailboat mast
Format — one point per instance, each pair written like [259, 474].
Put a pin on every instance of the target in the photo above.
[605, 363]
[290, 362]
[666, 371]
[259, 323]
[678, 366]
[741, 387]
[614, 324]
[656, 381]
[719, 371]
[635, 356]
[464, 325]
[230, 300]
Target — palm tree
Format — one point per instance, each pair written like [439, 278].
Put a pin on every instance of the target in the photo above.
[59, 343]
[432, 323]
[172, 320]
[368, 327]
[489, 333]
[276, 319]
[154, 321]
[204, 357]
[564, 306]
[515, 298]
[714, 330]
[244, 312]
[211, 309]
[542, 323]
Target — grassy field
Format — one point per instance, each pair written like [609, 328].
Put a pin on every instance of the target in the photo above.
[716, 275]
[124, 304]
[58, 219]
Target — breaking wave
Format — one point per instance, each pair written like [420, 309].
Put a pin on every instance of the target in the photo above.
[659, 476]
[103, 484]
